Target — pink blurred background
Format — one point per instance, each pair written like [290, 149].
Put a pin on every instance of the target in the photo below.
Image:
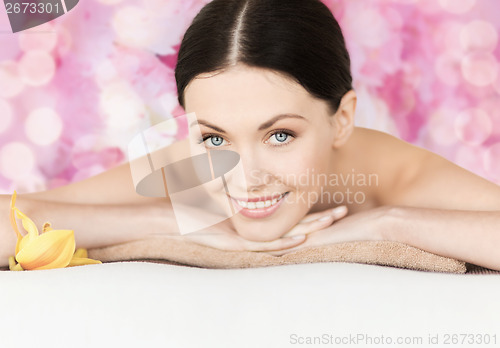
[74, 91]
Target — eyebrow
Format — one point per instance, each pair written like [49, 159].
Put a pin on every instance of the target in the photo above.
[263, 126]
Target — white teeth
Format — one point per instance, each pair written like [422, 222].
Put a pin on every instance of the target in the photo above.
[259, 204]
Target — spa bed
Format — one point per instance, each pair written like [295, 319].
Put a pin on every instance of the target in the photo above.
[147, 304]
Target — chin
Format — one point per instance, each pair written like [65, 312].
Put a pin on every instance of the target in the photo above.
[260, 231]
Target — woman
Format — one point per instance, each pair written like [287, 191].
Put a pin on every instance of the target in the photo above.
[270, 80]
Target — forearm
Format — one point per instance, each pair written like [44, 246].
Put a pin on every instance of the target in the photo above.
[93, 225]
[471, 236]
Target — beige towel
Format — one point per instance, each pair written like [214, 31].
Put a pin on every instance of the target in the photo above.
[179, 251]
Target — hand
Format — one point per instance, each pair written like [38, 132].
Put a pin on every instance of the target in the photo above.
[223, 236]
[317, 221]
[366, 225]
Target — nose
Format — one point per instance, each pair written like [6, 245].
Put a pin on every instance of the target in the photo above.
[255, 175]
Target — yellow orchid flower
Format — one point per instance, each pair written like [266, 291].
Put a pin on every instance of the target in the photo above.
[51, 249]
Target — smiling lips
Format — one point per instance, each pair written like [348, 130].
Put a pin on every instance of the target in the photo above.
[258, 208]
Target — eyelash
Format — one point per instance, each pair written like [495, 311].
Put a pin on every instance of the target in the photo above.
[277, 131]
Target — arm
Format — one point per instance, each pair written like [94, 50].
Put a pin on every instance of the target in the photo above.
[101, 210]
[446, 210]
[114, 186]
[94, 225]
[471, 236]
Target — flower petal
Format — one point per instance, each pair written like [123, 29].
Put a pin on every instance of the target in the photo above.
[13, 266]
[81, 252]
[13, 220]
[79, 261]
[23, 242]
[28, 224]
[53, 249]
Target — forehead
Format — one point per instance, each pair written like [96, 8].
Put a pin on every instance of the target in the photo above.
[246, 91]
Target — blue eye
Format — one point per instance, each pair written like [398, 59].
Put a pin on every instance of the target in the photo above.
[216, 141]
[281, 138]
[278, 138]
[212, 140]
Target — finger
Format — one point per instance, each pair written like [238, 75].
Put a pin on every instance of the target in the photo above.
[337, 212]
[324, 221]
[286, 251]
[312, 226]
[278, 244]
[277, 252]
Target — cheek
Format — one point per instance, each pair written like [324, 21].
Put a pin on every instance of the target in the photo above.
[297, 169]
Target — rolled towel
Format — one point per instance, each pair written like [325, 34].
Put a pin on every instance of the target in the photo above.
[178, 251]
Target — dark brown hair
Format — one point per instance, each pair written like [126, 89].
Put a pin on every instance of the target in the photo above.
[298, 38]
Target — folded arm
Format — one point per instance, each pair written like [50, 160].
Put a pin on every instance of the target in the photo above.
[94, 225]
[101, 210]
[429, 203]
[449, 211]
[471, 236]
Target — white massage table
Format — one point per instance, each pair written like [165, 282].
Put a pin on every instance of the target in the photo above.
[143, 304]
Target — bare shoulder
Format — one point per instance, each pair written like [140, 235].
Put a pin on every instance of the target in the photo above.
[413, 176]
[113, 186]
[442, 184]
[394, 162]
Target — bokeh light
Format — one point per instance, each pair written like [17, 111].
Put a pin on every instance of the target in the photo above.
[473, 126]
[480, 68]
[36, 68]
[428, 6]
[492, 161]
[32, 41]
[457, 6]
[10, 82]
[449, 37]
[135, 26]
[105, 73]
[6, 115]
[378, 32]
[439, 126]
[492, 107]
[496, 84]
[122, 107]
[17, 160]
[479, 35]
[162, 6]
[43, 126]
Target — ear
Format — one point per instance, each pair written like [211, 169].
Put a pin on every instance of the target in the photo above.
[343, 119]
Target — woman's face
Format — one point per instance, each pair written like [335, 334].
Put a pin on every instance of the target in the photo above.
[283, 135]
